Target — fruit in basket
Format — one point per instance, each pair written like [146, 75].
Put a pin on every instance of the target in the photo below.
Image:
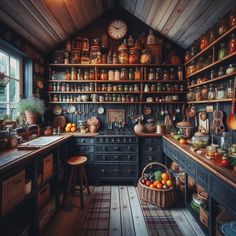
[158, 175]
[169, 183]
[165, 176]
[148, 183]
[163, 181]
[152, 186]
[159, 186]
[156, 182]
[165, 186]
[183, 141]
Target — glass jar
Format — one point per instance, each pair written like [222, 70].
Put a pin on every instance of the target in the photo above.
[230, 69]
[103, 75]
[210, 151]
[232, 18]
[73, 73]
[211, 93]
[176, 87]
[63, 87]
[146, 88]
[117, 74]
[220, 92]
[192, 67]
[232, 44]
[146, 56]
[200, 140]
[104, 87]
[159, 74]
[126, 88]
[151, 74]
[124, 74]
[204, 42]
[136, 88]
[153, 88]
[200, 63]
[123, 56]
[187, 56]
[120, 87]
[221, 71]
[172, 74]
[137, 74]
[166, 75]
[109, 88]
[181, 88]
[55, 98]
[222, 26]
[111, 75]
[193, 50]
[229, 90]
[159, 87]
[190, 96]
[114, 58]
[133, 56]
[91, 74]
[205, 93]
[198, 94]
[131, 74]
[91, 87]
[86, 75]
[180, 73]
[222, 52]
[115, 88]
[211, 36]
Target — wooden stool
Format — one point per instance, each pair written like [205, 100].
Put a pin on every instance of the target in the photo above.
[77, 164]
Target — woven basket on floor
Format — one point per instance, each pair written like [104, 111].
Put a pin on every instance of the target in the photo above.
[161, 197]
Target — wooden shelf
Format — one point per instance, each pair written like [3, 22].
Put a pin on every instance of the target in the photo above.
[211, 101]
[114, 65]
[213, 80]
[164, 81]
[166, 92]
[230, 56]
[116, 92]
[162, 102]
[95, 81]
[212, 44]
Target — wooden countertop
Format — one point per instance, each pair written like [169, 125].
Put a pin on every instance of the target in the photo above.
[148, 135]
[227, 175]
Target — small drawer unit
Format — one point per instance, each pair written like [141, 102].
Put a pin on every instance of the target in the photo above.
[116, 158]
[150, 150]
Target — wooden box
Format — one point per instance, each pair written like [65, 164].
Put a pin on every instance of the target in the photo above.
[47, 167]
[43, 195]
[13, 191]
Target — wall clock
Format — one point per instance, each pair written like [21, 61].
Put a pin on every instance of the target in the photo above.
[117, 29]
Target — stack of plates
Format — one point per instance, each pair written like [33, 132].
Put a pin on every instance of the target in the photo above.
[229, 229]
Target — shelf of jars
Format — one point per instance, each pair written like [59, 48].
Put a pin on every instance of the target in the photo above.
[211, 101]
[206, 68]
[215, 79]
[210, 46]
[135, 102]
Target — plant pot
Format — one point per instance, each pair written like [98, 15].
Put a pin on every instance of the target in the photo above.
[31, 117]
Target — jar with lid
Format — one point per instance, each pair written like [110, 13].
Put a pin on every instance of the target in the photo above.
[58, 86]
[126, 88]
[172, 74]
[117, 74]
[111, 75]
[137, 74]
[221, 71]
[205, 93]
[123, 56]
[210, 151]
[200, 63]
[91, 87]
[153, 88]
[166, 75]
[146, 88]
[220, 92]
[181, 88]
[229, 89]
[55, 98]
[180, 73]
[232, 18]
[120, 87]
[232, 44]
[187, 56]
[131, 74]
[134, 56]
[198, 94]
[151, 74]
[123, 98]
[63, 87]
[114, 58]
[73, 73]
[176, 87]
[222, 26]
[159, 87]
[114, 97]
[211, 36]
[104, 87]
[230, 69]
[222, 52]
[136, 88]
[204, 42]
[115, 88]
[124, 74]
[86, 75]
[146, 56]
[192, 67]
[211, 93]
[159, 74]
[131, 88]
[91, 74]
[168, 87]
[103, 75]
[200, 140]
[50, 87]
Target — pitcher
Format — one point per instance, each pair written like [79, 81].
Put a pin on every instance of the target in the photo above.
[94, 97]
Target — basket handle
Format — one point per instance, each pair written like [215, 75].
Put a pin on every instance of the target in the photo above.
[156, 163]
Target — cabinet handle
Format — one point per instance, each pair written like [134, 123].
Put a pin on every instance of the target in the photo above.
[103, 170]
[150, 148]
[129, 157]
[116, 148]
[104, 148]
[104, 157]
[129, 171]
[116, 170]
[129, 147]
[150, 158]
[83, 140]
[116, 157]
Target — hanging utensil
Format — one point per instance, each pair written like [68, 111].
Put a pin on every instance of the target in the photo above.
[177, 109]
[231, 122]
[162, 111]
[166, 111]
[217, 125]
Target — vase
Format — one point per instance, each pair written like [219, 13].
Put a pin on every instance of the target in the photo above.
[31, 117]
[138, 128]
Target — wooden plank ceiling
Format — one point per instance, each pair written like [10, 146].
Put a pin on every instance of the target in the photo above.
[47, 23]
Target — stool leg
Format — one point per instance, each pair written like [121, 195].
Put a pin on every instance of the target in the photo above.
[69, 185]
[86, 180]
[81, 188]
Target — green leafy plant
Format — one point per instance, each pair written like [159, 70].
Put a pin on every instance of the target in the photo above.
[33, 104]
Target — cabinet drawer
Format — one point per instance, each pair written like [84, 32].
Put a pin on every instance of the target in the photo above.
[202, 178]
[83, 149]
[190, 167]
[219, 190]
[148, 157]
[117, 148]
[232, 199]
[150, 148]
[83, 140]
[157, 141]
[116, 170]
[182, 160]
[116, 157]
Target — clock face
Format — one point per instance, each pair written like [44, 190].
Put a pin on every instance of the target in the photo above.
[117, 29]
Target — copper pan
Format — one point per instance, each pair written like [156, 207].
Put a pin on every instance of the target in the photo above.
[232, 119]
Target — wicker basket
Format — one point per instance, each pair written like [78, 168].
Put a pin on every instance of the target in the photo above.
[201, 192]
[161, 197]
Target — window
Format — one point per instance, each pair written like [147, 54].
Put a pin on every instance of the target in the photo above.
[10, 94]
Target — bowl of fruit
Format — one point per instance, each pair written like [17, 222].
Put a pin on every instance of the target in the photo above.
[156, 185]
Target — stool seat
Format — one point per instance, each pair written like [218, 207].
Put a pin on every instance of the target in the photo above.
[77, 160]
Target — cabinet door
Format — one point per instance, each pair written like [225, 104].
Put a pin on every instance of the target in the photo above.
[202, 177]
[190, 167]
[232, 199]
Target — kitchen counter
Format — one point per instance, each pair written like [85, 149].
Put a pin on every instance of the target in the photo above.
[225, 174]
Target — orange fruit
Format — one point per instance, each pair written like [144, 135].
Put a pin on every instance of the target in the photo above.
[152, 186]
[159, 186]
[67, 129]
[156, 182]
[73, 125]
[183, 141]
[163, 181]
[165, 176]
[69, 125]
[73, 129]
[169, 183]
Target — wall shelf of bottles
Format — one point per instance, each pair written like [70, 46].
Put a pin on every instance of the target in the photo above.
[116, 83]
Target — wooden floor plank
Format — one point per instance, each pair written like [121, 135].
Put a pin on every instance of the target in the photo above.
[115, 219]
[138, 218]
[193, 222]
[182, 222]
[126, 215]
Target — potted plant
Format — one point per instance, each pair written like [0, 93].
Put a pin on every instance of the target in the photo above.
[32, 108]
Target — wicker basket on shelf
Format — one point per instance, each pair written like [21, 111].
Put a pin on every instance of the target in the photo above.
[161, 197]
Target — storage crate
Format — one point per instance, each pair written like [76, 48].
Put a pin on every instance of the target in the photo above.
[43, 195]
[47, 167]
[13, 191]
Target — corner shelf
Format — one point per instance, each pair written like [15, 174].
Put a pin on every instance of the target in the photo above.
[211, 101]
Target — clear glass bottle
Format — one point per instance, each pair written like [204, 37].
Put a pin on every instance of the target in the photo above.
[220, 92]
[229, 89]
[211, 93]
[166, 75]
[172, 74]
[198, 94]
[151, 74]
[232, 44]
[180, 73]
[221, 71]
[222, 52]
[131, 74]
[159, 74]
[124, 74]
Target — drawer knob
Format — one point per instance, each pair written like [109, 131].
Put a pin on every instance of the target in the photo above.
[104, 157]
[116, 157]
[103, 170]
[116, 148]
[150, 158]
[150, 148]
[129, 157]
[104, 148]
[83, 140]
[116, 170]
